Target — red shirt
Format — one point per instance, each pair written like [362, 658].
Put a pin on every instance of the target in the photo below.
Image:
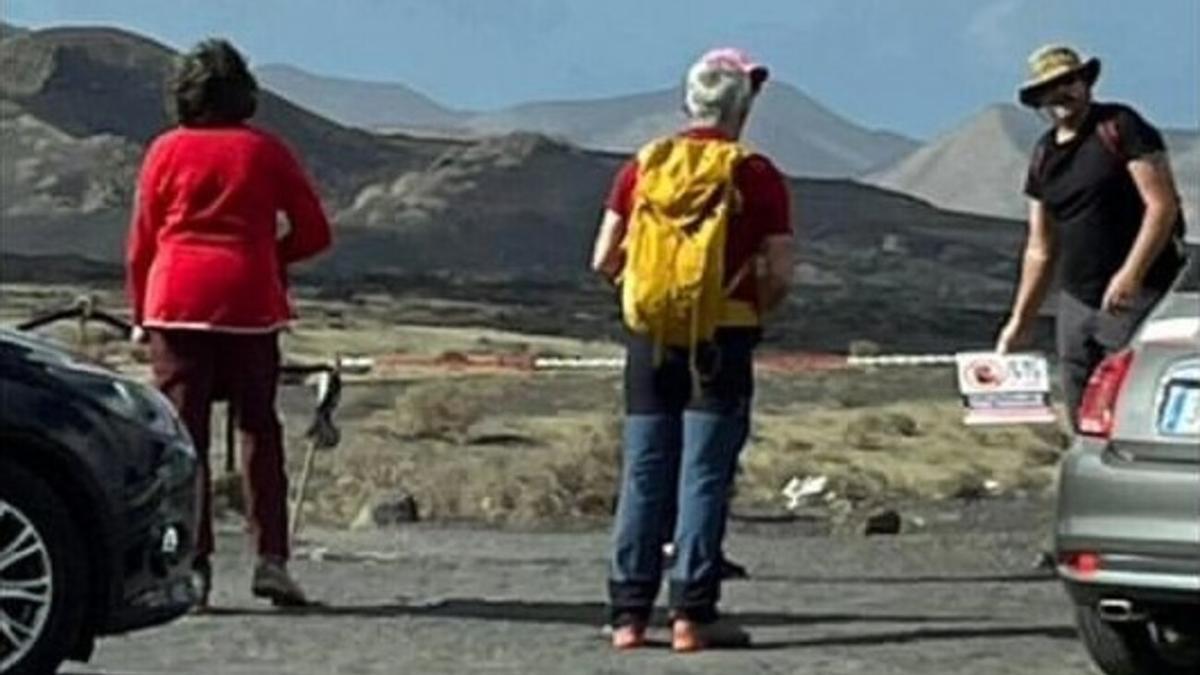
[203, 250]
[766, 210]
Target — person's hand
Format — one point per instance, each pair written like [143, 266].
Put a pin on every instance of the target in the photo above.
[1121, 291]
[1014, 335]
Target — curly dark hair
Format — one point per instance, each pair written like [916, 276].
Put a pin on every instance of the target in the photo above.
[212, 86]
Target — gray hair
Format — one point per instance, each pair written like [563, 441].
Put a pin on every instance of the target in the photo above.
[714, 94]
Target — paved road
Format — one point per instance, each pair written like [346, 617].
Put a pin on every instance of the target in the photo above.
[433, 600]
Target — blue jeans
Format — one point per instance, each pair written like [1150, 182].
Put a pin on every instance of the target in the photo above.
[679, 460]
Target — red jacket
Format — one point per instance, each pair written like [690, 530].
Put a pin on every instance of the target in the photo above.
[204, 251]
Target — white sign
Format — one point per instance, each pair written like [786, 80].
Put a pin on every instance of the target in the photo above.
[1004, 388]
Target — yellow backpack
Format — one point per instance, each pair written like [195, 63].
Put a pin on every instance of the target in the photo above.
[673, 284]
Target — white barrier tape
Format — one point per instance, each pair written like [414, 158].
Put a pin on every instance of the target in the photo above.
[578, 363]
[903, 360]
[585, 363]
[357, 365]
[366, 365]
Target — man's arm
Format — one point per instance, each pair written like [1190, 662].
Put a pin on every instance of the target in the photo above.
[1037, 264]
[769, 210]
[1152, 176]
[775, 277]
[607, 258]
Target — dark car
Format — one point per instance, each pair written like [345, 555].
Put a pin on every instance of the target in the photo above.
[1128, 534]
[97, 506]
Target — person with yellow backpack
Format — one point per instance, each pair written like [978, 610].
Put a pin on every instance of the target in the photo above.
[697, 235]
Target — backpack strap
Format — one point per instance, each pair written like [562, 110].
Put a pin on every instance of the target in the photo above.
[1110, 137]
[1037, 165]
[1109, 134]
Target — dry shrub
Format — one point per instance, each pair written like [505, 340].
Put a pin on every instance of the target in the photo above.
[879, 431]
[864, 348]
[438, 410]
[1053, 435]
[903, 450]
[568, 473]
[592, 480]
[575, 481]
[1038, 456]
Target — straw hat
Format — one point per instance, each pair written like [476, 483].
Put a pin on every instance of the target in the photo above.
[1051, 64]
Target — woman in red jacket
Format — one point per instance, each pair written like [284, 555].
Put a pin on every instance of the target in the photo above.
[207, 281]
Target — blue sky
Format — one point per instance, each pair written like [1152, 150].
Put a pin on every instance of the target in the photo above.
[914, 66]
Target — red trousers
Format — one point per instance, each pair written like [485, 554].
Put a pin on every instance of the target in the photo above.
[195, 367]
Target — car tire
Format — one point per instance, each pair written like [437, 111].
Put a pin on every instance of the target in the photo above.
[34, 518]
[1122, 648]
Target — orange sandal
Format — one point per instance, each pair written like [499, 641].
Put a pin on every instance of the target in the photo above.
[629, 636]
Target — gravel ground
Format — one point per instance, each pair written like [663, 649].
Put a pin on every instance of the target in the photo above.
[959, 598]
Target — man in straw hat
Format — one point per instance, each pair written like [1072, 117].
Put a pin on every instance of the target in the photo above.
[1103, 210]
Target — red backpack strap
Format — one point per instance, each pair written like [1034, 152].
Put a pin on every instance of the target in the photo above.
[1110, 137]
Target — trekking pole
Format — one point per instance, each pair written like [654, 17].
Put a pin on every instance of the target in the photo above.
[302, 489]
[230, 437]
[322, 434]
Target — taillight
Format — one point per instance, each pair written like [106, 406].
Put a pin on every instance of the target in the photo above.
[1098, 410]
[1081, 563]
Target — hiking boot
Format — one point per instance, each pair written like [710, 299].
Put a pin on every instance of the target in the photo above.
[201, 584]
[629, 636]
[272, 582]
[690, 636]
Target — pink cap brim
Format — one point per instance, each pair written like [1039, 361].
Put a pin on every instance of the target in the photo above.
[731, 56]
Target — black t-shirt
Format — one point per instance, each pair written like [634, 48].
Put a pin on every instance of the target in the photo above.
[1095, 205]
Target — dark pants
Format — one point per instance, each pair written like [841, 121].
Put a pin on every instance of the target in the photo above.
[1087, 335]
[680, 452]
[193, 368]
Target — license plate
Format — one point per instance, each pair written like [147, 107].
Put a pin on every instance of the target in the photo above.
[1180, 414]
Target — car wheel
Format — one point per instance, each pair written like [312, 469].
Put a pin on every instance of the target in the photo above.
[1124, 648]
[43, 575]
[1178, 643]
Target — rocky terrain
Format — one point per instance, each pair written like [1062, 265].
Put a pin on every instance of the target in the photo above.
[502, 218]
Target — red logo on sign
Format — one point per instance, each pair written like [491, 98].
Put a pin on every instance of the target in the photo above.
[987, 373]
